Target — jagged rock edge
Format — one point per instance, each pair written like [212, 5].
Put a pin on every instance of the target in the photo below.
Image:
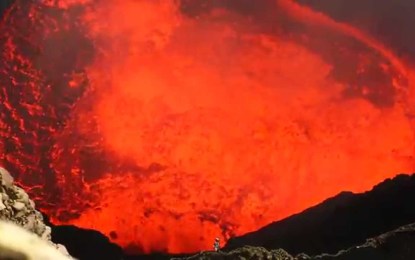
[281, 254]
[17, 208]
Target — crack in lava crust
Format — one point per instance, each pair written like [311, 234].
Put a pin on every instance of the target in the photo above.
[171, 129]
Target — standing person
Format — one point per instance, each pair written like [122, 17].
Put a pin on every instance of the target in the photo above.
[216, 245]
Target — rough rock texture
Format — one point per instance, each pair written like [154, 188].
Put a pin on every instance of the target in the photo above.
[246, 252]
[394, 245]
[16, 243]
[16, 207]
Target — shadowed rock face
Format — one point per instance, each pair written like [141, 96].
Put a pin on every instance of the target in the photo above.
[397, 244]
[86, 243]
[340, 222]
[246, 252]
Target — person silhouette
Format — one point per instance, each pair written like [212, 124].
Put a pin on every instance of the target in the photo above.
[216, 244]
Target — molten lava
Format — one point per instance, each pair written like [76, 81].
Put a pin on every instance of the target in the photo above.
[164, 124]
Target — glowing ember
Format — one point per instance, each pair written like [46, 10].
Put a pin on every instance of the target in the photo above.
[164, 125]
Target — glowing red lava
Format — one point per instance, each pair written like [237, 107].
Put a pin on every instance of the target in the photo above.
[168, 129]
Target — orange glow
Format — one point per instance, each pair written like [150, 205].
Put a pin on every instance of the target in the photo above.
[208, 127]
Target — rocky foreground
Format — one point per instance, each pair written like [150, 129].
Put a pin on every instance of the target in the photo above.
[23, 234]
[394, 245]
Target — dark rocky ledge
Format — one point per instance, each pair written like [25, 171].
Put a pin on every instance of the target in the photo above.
[343, 221]
[394, 245]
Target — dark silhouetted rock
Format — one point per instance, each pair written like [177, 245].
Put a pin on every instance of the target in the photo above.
[86, 244]
[394, 245]
[340, 222]
[246, 252]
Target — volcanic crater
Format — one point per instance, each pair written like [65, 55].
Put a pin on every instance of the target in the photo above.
[164, 124]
